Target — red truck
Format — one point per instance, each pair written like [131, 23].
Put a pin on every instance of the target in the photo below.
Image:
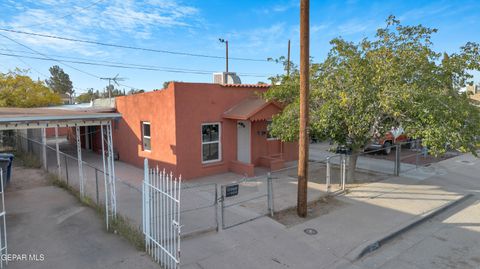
[394, 136]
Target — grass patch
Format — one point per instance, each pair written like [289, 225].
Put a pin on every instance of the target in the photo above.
[124, 228]
[120, 225]
[28, 160]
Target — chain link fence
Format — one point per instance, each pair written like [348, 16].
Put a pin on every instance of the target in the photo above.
[199, 201]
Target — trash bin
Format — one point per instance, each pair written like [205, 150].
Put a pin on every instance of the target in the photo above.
[4, 163]
[9, 170]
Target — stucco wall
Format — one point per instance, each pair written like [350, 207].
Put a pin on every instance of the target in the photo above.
[204, 103]
[176, 115]
[158, 108]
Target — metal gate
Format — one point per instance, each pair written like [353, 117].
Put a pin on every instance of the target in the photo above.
[161, 216]
[3, 229]
[246, 200]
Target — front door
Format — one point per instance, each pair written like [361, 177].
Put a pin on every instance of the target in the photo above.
[243, 141]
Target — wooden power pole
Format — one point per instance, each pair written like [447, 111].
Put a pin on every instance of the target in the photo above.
[303, 142]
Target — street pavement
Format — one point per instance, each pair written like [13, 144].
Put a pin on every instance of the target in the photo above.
[449, 240]
[367, 212]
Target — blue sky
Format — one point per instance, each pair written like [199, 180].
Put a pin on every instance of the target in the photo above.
[255, 29]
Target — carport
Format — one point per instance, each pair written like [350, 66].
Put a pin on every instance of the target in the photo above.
[42, 118]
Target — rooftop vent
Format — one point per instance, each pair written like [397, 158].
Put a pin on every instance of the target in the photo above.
[226, 78]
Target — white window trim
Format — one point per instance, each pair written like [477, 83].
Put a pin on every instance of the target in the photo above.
[211, 142]
[144, 136]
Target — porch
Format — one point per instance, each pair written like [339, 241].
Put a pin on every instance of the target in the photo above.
[255, 147]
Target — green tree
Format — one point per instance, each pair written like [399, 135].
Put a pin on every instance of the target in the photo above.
[134, 91]
[114, 92]
[88, 96]
[59, 81]
[19, 90]
[397, 79]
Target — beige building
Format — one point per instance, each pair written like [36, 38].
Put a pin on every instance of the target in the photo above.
[474, 92]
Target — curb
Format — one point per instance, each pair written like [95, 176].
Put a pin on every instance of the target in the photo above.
[373, 245]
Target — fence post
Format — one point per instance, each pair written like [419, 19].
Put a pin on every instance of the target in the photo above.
[216, 207]
[96, 183]
[146, 202]
[417, 155]
[270, 194]
[342, 172]
[57, 148]
[44, 149]
[222, 205]
[397, 159]
[66, 167]
[343, 168]
[328, 175]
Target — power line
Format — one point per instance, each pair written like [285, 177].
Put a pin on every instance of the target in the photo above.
[28, 65]
[132, 47]
[125, 66]
[62, 17]
[61, 62]
[134, 64]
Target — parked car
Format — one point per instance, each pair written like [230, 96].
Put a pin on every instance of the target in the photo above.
[394, 136]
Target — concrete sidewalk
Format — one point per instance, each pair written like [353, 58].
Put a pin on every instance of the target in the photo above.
[366, 212]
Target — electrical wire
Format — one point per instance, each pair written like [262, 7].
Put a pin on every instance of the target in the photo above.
[28, 65]
[61, 62]
[133, 47]
[130, 64]
[125, 66]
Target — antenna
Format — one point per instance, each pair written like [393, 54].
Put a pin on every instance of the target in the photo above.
[115, 80]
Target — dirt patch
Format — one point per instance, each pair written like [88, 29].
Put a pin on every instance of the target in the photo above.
[323, 206]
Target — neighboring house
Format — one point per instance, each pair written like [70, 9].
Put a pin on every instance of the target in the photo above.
[474, 92]
[200, 129]
[66, 99]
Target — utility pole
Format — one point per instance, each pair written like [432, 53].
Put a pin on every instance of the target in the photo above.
[226, 52]
[303, 142]
[288, 59]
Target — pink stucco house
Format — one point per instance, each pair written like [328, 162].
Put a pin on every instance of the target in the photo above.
[200, 129]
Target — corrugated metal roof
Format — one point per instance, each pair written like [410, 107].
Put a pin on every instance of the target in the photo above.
[10, 114]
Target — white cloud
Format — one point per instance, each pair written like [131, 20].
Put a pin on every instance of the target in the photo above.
[318, 27]
[279, 7]
[114, 18]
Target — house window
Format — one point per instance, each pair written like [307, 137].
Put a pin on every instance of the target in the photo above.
[211, 147]
[146, 136]
[269, 135]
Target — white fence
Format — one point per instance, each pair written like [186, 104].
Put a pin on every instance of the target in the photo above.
[3, 226]
[161, 216]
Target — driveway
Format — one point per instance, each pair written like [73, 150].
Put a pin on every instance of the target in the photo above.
[51, 224]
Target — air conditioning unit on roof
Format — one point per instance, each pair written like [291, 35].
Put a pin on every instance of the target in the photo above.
[226, 78]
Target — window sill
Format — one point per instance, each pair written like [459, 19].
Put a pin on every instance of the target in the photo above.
[213, 164]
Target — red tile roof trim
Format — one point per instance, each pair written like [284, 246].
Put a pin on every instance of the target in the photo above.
[247, 85]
